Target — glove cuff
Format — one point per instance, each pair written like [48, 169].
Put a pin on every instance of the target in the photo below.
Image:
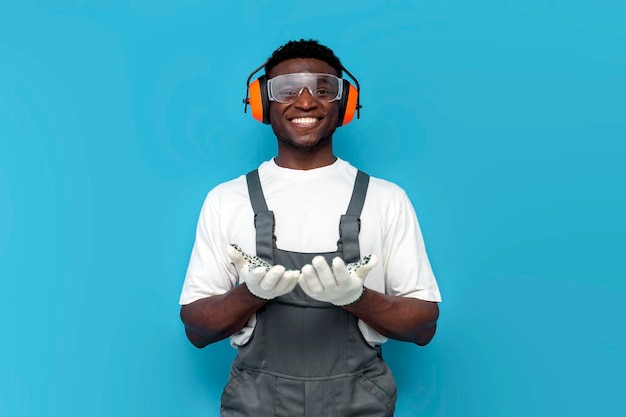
[257, 295]
[351, 303]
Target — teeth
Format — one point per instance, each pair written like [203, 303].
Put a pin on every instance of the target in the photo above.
[304, 120]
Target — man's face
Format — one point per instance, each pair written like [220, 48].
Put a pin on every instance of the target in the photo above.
[307, 123]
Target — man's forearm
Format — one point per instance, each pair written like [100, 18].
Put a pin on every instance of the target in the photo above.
[401, 318]
[214, 318]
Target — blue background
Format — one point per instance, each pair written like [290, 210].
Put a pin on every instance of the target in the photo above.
[503, 120]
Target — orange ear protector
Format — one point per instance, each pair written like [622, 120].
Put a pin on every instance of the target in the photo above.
[258, 100]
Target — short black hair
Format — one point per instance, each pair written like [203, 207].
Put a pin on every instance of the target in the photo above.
[304, 49]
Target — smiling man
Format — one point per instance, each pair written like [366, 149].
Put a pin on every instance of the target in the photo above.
[308, 264]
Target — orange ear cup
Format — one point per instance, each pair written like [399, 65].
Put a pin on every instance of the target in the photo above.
[351, 104]
[256, 101]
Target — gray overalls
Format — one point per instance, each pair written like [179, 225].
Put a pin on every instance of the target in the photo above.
[307, 358]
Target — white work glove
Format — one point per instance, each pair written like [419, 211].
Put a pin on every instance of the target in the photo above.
[262, 279]
[341, 285]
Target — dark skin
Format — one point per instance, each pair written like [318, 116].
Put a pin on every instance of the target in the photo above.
[305, 144]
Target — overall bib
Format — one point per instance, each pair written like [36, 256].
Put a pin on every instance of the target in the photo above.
[307, 358]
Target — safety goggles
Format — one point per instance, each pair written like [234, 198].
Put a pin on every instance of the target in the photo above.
[287, 88]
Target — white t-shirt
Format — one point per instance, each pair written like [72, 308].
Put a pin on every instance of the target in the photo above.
[307, 206]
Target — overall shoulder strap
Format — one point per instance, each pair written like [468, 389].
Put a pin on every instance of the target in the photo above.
[350, 223]
[263, 218]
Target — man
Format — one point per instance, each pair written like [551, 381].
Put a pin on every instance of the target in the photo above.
[307, 263]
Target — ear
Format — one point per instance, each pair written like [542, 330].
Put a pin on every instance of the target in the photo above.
[259, 101]
[348, 104]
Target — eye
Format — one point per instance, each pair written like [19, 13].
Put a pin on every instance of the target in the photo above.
[288, 93]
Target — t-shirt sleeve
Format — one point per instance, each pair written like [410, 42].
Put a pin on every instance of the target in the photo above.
[408, 271]
[210, 271]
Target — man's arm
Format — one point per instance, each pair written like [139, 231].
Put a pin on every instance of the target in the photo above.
[401, 318]
[214, 318]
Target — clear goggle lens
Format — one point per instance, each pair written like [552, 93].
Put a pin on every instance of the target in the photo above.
[287, 88]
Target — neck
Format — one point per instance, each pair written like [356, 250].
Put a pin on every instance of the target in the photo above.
[287, 158]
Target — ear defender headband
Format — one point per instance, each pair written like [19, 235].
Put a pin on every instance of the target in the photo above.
[258, 100]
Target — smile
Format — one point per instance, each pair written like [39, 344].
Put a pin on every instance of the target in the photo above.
[304, 121]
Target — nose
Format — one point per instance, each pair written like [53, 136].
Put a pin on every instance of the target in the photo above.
[306, 100]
